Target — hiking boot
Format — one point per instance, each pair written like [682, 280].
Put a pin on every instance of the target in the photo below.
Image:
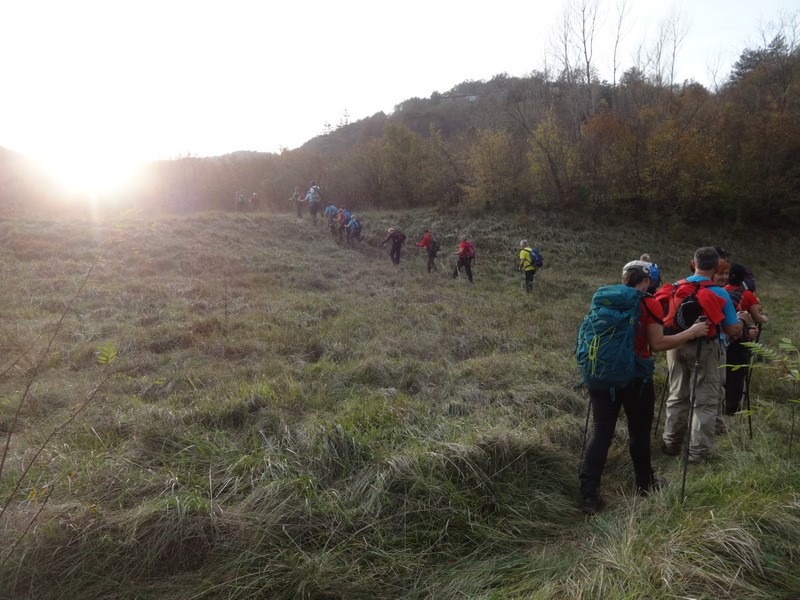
[656, 483]
[592, 505]
[697, 459]
[671, 449]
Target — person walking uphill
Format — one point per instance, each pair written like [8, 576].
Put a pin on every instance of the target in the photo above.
[314, 199]
[694, 374]
[397, 238]
[529, 262]
[431, 246]
[746, 301]
[465, 254]
[298, 201]
[618, 374]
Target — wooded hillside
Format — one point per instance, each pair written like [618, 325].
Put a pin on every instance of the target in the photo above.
[560, 139]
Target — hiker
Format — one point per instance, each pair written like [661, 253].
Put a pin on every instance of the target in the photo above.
[255, 201]
[354, 229]
[655, 273]
[738, 354]
[331, 212]
[465, 254]
[342, 219]
[637, 396]
[720, 278]
[241, 201]
[314, 198]
[298, 201]
[694, 375]
[397, 237]
[529, 261]
[431, 246]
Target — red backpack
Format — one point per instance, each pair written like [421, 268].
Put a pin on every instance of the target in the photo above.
[684, 301]
[469, 250]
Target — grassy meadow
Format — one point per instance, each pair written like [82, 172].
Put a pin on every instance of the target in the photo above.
[287, 417]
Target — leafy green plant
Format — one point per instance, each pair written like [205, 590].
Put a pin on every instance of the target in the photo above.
[785, 360]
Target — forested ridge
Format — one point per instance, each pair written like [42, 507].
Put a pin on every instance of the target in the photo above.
[558, 139]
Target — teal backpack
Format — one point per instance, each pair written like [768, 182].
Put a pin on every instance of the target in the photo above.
[605, 347]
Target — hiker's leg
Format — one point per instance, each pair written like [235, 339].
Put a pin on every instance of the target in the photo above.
[604, 420]
[706, 400]
[678, 401]
[468, 268]
[529, 281]
[734, 380]
[638, 401]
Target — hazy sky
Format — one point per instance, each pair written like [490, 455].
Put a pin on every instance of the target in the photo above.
[93, 86]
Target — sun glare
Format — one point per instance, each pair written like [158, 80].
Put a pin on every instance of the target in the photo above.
[88, 174]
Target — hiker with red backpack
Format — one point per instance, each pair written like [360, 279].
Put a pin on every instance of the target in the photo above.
[431, 246]
[694, 374]
[615, 342]
[465, 254]
[746, 301]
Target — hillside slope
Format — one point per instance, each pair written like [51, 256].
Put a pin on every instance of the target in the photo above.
[288, 417]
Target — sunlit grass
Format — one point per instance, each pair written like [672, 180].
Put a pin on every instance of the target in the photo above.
[293, 418]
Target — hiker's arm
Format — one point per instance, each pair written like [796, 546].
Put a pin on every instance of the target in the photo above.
[759, 318]
[733, 330]
[659, 342]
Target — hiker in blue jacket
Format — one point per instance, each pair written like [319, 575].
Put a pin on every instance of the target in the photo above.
[637, 398]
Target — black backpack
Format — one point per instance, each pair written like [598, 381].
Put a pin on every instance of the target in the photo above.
[433, 246]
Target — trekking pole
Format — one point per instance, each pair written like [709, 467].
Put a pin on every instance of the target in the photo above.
[692, 399]
[661, 407]
[747, 387]
[577, 386]
[794, 420]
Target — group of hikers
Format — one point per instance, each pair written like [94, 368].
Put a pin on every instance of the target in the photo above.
[701, 322]
[244, 203]
[349, 228]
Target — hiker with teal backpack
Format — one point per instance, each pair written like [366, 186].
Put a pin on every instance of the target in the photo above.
[615, 342]
[529, 262]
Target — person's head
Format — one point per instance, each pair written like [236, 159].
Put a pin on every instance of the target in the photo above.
[706, 259]
[645, 258]
[736, 276]
[462, 238]
[722, 252]
[523, 244]
[722, 272]
[636, 274]
[425, 230]
[296, 189]
[390, 231]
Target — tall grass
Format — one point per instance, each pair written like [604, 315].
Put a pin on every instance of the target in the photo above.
[296, 418]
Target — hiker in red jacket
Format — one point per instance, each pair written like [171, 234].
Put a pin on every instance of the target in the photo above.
[465, 254]
[431, 247]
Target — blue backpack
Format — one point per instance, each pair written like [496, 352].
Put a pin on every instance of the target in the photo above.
[536, 258]
[605, 348]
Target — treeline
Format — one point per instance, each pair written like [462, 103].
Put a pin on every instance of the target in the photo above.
[557, 141]
[639, 146]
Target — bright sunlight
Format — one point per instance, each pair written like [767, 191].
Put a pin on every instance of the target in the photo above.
[88, 173]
